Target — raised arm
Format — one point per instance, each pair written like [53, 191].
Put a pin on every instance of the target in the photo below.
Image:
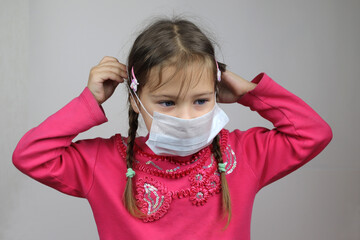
[47, 153]
[299, 133]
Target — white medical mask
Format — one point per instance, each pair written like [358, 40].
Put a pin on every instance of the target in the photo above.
[172, 136]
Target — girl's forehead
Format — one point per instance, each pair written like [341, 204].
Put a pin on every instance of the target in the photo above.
[196, 77]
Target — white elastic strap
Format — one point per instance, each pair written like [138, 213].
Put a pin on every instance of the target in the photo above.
[131, 94]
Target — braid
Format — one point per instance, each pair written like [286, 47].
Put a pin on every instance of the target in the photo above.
[129, 199]
[216, 150]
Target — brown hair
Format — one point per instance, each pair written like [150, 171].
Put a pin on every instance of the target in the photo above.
[169, 42]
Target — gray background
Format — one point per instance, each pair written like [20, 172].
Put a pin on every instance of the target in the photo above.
[311, 47]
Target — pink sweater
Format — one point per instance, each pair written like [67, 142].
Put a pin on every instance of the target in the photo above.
[180, 195]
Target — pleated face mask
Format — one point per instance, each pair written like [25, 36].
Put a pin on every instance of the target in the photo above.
[172, 136]
[183, 137]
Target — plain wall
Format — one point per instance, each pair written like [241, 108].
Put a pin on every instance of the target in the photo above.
[310, 47]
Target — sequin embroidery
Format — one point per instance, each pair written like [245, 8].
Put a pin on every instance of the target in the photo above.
[152, 198]
[212, 162]
[172, 170]
[167, 170]
[230, 156]
[231, 159]
[152, 163]
[153, 205]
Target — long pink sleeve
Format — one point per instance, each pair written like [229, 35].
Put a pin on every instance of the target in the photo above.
[47, 154]
[299, 134]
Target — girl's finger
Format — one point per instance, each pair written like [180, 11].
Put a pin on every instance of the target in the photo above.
[113, 69]
[108, 59]
[114, 64]
[110, 76]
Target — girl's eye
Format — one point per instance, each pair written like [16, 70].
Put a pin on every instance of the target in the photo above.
[201, 101]
[167, 103]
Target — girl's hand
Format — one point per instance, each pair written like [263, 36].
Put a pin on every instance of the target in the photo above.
[104, 78]
[232, 87]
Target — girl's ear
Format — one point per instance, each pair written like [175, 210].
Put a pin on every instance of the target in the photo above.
[134, 105]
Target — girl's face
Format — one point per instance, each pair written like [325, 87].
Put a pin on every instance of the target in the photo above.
[197, 99]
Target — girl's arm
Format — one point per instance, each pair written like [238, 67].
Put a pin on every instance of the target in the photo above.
[299, 133]
[47, 153]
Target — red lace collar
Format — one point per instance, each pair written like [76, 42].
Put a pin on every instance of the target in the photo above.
[196, 161]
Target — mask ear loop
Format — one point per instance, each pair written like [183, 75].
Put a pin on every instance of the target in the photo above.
[133, 89]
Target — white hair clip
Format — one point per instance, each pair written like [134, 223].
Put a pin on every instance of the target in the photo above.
[218, 71]
[134, 81]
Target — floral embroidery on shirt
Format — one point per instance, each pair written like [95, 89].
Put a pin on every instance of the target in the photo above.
[154, 198]
[203, 184]
[214, 184]
[198, 177]
[199, 195]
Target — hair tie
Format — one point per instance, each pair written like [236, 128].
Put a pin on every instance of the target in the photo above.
[130, 173]
[222, 167]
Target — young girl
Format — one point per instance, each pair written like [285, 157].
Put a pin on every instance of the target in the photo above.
[189, 178]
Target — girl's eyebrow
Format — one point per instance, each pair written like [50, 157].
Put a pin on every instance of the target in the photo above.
[176, 96]
[162, 96]
[202, 94]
